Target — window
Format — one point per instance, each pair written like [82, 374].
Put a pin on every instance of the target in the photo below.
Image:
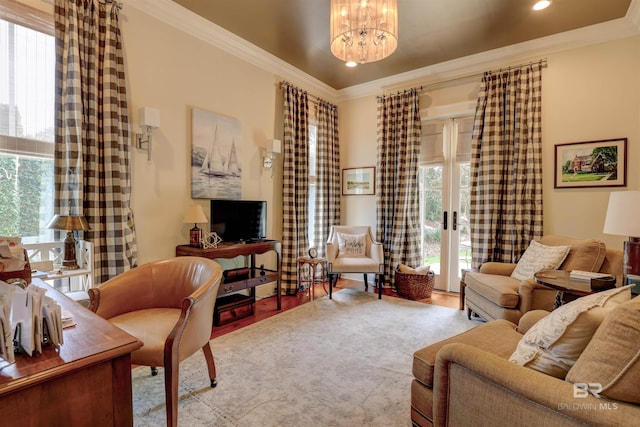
[27, 79]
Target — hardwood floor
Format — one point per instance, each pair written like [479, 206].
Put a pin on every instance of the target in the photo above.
[265, 307]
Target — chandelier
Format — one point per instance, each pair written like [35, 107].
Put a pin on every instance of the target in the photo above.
[363, 30]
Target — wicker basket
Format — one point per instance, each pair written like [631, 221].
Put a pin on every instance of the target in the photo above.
[414, 286]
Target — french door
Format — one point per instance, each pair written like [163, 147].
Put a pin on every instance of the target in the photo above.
[444, 180]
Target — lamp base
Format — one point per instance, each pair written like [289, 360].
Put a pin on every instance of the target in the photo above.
[195, 237]
[69, 260]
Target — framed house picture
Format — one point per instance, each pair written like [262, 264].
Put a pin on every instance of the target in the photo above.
[591, 164]
[359, 181]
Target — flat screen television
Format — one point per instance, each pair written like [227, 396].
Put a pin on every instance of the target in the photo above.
[239, 220]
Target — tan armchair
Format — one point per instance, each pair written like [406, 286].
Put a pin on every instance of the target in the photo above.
[168, 305]
[360, 254]
[493, 294]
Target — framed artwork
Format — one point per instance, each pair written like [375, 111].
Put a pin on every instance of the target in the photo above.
[216, 155]
[591, 164]
[359, 181]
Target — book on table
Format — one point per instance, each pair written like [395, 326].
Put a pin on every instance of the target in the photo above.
[587, 275]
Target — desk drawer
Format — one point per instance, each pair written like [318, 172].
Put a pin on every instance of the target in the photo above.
[229, 287]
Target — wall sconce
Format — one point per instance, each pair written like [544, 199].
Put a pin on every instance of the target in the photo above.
[274, 146]
[149, 120]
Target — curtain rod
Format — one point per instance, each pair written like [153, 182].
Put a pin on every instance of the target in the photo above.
[423, 88]
[312, 98]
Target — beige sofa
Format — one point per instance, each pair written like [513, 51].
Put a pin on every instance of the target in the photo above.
[468, 379]
[493, 294]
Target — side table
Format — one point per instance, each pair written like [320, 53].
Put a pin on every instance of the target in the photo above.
[563, 284]
[463, 285]
[311, 265]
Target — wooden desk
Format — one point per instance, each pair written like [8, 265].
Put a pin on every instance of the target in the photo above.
[256, 277]
[87, 381]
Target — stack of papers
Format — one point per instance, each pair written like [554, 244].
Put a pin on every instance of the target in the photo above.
[586, 275]
[28, 319]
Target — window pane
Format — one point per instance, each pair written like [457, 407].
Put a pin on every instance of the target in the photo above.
[27, 65]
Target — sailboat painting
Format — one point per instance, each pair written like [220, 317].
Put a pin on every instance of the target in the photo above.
[216, 153]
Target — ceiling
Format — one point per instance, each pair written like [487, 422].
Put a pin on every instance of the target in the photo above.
[430, 31]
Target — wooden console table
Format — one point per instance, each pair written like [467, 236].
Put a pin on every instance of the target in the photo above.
[256, 276]
[86, 381]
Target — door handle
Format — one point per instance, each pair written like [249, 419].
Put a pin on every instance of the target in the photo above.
[445, 219]
[455, 220]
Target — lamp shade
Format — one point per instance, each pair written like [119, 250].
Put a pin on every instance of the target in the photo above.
[622, 214]
[150, 117]
[195, 214]
[68, 222]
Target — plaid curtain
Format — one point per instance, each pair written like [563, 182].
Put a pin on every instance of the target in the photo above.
[506, 165]
[295, 183]
[397, 201]
[91, 166]
[327, 200]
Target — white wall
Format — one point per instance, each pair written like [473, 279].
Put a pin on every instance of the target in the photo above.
[174, 73]
[588, 93]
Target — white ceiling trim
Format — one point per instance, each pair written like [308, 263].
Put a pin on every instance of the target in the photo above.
[177, 16]
[184, 20]
[510, 55]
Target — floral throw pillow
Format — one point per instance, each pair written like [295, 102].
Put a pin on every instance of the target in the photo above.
[539, 257]
[351, 245]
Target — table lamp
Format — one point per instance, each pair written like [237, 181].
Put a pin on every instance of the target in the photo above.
[70, 223]
[622, 220]
[195, 214]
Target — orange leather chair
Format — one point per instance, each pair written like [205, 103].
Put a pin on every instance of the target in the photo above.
[168, 305]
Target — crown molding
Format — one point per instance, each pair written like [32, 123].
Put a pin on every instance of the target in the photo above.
[182, 19]
[629, 26]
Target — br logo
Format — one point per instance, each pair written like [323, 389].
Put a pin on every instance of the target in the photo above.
[582, 390]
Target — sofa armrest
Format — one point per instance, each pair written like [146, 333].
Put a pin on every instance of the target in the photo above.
[529, 319]
[332, 252]
[472, 386]
[534, 296]
[501, 268]
[377, 252]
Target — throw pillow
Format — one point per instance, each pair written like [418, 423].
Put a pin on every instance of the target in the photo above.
[554, 343]
[403, 268]
[612, 357]
[351, 245]
[539, 257]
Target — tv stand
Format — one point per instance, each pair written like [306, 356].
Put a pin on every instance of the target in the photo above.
[228, 299]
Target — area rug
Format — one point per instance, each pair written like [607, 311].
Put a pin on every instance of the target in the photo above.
[340, 362]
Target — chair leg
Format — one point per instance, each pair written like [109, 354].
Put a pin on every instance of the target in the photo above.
[380, 281]
[366, 285]
[154, 371]
[171, 392]
[211, 364]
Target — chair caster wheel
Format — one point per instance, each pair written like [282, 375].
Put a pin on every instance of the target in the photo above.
[154, 371]
[214, 382]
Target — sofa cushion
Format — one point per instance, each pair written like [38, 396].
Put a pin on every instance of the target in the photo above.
[539, 257]
[612, 357]
[501, 290]
[555, 342]
[585, 255]
[498, 337]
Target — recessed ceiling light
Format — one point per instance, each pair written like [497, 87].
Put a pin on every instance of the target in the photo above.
[351, 64]
[542, 4]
